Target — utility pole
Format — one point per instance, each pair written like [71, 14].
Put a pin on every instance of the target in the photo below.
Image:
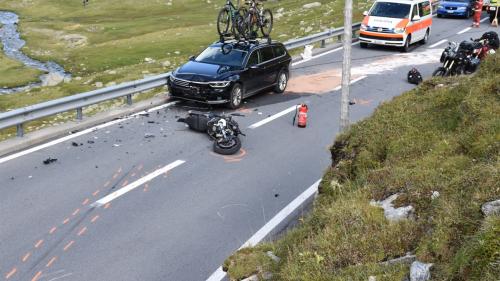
[346, 66]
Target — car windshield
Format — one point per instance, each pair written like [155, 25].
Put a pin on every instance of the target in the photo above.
[461, 1]
[215, 55]
[390, 10]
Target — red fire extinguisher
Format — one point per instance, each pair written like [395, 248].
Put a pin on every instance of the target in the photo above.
[301, 113]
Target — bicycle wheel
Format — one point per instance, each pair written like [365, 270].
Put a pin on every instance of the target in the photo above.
[238, 26]
[223, 20]
[251, 24]
[266, 22]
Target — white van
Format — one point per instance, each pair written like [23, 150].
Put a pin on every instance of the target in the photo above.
[396, 23]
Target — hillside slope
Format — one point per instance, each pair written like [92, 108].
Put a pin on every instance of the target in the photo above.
[441, 139]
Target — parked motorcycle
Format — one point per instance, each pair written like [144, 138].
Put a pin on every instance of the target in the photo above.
[464, 58]
[222, 129]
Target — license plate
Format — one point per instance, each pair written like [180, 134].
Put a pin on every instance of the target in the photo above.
[450, 12]
[493, 8]
[378, 42]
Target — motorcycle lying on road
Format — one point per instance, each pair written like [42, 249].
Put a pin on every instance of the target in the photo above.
[222, 129]
[464, 58]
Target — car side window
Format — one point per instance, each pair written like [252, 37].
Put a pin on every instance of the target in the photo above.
[414, 12]
[279, 51]
[424, 8]
[254, 58]
[267, 54]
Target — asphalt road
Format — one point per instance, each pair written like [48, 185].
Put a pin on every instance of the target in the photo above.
[198, 207]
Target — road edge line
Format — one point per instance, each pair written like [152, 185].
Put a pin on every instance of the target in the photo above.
[264, 231]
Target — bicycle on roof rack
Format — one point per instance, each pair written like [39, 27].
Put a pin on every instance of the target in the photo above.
[231, 16]
[257, 18]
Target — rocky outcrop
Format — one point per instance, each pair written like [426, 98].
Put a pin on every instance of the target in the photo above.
[312, 5]
[420, 271]
[491, 208]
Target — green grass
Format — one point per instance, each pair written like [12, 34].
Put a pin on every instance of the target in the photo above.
[117, 35]
[443, 136]
[14, 73]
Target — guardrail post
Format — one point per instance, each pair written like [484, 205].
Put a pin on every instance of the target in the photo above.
[129, 99]
[323, 44]
[20, 130]
[79, 113]
[339, 38]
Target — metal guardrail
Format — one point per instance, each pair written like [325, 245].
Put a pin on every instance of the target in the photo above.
[319, 37]
[77, 102]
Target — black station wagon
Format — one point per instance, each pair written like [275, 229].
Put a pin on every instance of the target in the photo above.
[226, 73]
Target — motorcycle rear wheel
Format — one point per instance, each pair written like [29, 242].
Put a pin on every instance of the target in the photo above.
[228, 149]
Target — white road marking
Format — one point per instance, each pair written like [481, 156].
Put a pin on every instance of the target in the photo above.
[464, 30]
[77, 134]
[322, 54]
[483, 20]
[352, 82]
[438, 43]
[270, 225]
[112, 196]
[271, 118]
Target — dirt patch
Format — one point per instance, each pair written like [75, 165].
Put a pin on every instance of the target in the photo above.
[318, 83]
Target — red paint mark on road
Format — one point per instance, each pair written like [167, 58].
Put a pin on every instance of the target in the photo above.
[115, 176]
[94, 218]
[51, 261]
[37, 275]
[11, 273]
[52, 230]
[82, 231]
[26, 257]
[85, 202]
[39, 243]
[66, 220]
[69, 245]
[95, 193]
[140, 167]
[107, 205]
[76, 212]
[107, 184]
[119, 170]
[132, 175]
[124, 183]
[146, 186]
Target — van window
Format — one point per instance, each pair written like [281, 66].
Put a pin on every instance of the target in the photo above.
[254, 59]
[390, 10]
[424, 8]
[414, 12]
[279, 50]
[266, 53]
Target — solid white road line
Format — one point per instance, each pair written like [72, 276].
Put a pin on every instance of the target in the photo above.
[112, 196]
[483, 20]
[464, 30]
[77, 134]
[271, 118]
[352, 82]
[270, 225]
[438, 43]
[322, 54]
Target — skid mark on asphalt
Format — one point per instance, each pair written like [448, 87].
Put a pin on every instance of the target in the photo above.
[232, 158]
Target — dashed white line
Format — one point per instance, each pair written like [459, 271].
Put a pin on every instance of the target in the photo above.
[352, 82]
[112, 196]
[77, 134]
[464, 30]
[271, 118]
[219, 274]
[438, 43]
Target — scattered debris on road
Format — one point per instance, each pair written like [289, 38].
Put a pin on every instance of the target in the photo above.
[148, 136]
[49, 161]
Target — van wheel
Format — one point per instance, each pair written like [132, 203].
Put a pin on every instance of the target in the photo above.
[426, 37]
[406, 46]
[363, 45]
[236, 96]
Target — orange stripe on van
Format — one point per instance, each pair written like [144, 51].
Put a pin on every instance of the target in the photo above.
[366, 20]
[403, 23]
[386, 35]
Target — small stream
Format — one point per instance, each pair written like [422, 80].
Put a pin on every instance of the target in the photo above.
[12, 44]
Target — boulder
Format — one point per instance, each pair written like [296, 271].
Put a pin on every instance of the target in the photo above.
[312, 5]
[98, 84]
[435, 195]
[420, 271]
[273, 256]
[166, 63]
[52, 79]
[491, 208]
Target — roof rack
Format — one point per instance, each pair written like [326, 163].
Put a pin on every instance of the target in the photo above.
[233, 39]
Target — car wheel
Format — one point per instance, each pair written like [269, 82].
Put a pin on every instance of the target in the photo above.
[363, 45]
[439, 15]
[282, 82]
[406, 46]
[236, 96]
[426, 37]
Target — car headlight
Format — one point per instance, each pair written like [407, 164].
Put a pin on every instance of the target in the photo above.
[363, 27]
[219, 84]
[171, 78]
[399, 30]
[440, 7]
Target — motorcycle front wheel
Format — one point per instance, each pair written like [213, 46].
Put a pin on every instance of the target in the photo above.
[440, 71]
[227, 148]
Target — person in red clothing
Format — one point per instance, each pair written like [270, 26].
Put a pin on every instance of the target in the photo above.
[478, 9]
